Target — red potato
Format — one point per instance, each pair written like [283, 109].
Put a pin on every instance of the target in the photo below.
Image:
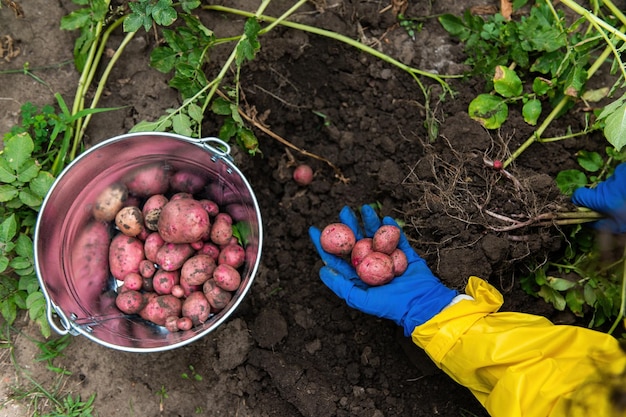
[196, 307]
[148, 286]
[151, 210]
[210, 249]
[361, 249]
[125, 255]
[172, 256]
[163, 281]
[183, 221]
[303, 175]
[187, 182]
[151, 246]
[375, 269]
[386, 239]
[90, 260]
[337, 239]
[133, 281]
[147, 268]
[197, 269]
[184, 323]
[130, 301]
[149, 180]
[160, 307]
[218, 298]
[222, 229]
[232, 254]
[109, 202]
[181, 196]
[171, 324]
[400, 262]
[197, 245]
[189, 288]
[226, 277]
[210, 206]
[129, 221]
[178, 291]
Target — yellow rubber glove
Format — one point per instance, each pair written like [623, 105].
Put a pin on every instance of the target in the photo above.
[519, 364]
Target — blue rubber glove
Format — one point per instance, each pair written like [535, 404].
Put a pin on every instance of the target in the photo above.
[410, 299]
[608, 198]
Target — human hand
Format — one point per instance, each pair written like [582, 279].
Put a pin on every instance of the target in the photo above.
[410, 299]
[608, 198]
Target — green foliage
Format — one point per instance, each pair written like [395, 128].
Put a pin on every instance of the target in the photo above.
[548, 56]
[85, 20]
[23, 185]
[584, 280]
[71, 406]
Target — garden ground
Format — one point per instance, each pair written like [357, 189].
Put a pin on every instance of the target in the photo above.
[293, 348]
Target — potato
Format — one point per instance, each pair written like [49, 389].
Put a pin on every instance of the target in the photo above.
[178, 291]
[400, 262]
[196, 307]
[361, 249]
[187, 182]
[210, 249]
[149, 180]
[151, 210]
[181, 196]
[197, 269]
[303, 174]
[227, 277]
[210, 206]
[125, 255]
[130, 301]
[171, 324]
[375, 269]
[232, 254]
[133, 281]
[218, 298]
[189, 288]
[386, 239]
[160, 307]
[183, 221]
[163, 281]
[337, 239]
[222, 229]
[109, 202]
[129, 221]
[184, 323]
[172, 256]
[151, 246]
[146, 268]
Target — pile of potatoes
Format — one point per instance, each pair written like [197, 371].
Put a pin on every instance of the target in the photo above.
[377, 260]
[174, 254]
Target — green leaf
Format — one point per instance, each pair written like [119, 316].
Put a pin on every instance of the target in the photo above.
[41, 184]
[189, 5]
[76, 19]
[249, 44]
[163, 13]
[454, 25]
[195, 112]
[590, 161]
[36, 304]
[182, 124]
[247, 140]
[490, 111]
[560, 284]
[8, 310]
[615, 127]
[553, 297]
[7, 193]
[24, 246]
[506, 82]
[569, 180]
[531, 111]
[221, 106]
[19, 262]
[7, 174]
[28, 170]
[18, 149]
[4, 263]
[163, 59]
[134, 21]
[575, 301]
[29, 198]
[541, 86]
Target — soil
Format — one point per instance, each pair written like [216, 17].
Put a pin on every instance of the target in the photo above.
[293, 348]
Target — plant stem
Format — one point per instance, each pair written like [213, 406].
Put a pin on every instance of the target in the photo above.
[414, 72]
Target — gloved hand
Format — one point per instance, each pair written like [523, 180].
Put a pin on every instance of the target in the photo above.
[608, 198]
[409, 300]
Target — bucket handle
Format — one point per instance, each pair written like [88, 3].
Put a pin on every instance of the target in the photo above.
[219, 148]
[65, 323]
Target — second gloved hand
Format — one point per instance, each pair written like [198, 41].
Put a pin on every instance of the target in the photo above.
[609, 198]
[409, 300]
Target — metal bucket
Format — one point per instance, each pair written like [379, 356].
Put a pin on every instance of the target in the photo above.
[85, 304]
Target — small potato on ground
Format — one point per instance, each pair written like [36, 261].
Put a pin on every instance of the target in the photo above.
[303, 174]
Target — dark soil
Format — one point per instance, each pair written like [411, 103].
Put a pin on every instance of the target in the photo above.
[293, 348]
